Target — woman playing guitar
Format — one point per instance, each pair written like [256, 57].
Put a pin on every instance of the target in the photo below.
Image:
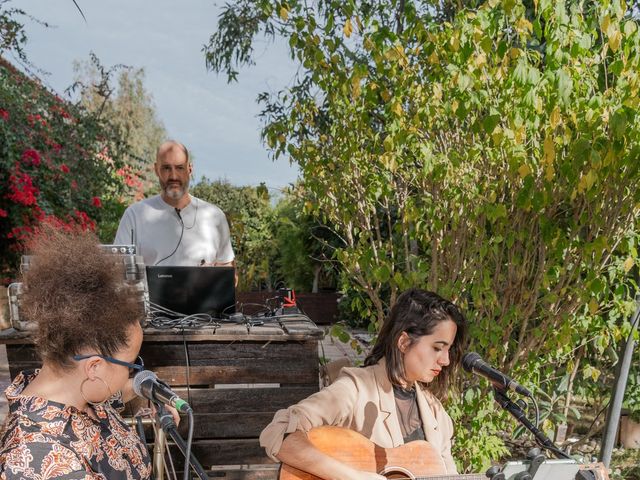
[392, 400]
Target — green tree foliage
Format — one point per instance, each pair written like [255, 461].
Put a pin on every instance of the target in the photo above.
[304, 247]
[275, 245]
[128, 106]
[250, 217]
[492, 157]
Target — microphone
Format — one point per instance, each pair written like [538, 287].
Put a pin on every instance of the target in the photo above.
[147, 385]
[473, 363]
[178, 212]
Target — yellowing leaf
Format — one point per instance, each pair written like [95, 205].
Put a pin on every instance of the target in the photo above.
[386, 96]
[587, 181]
[614, 41]
[355, 87]
[497, 135]
[628, 264]
[437, 91]
[396, 53]
[389, 161]
[433, 58]
[524, 170]
[480, 60]
[554, 119]
[368, 44]
[593, 306]
[524, 26]
[284, 13]
[549, 173]
[549, 150]
[455, 43]
[388, 144]
[605, 24]
[348, 29]
[397, 108]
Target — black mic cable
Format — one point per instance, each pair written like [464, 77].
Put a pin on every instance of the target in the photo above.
[179, 240]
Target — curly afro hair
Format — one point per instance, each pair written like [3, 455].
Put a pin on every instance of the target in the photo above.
[77, 297]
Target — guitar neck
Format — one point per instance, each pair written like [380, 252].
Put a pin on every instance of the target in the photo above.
[466, 476]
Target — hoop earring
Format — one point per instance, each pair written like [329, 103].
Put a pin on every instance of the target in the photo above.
[94, 404]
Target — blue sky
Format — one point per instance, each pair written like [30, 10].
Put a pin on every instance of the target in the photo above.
[217, 121]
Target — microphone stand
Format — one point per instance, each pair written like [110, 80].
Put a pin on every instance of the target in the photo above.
[165, 419]
[519, 415]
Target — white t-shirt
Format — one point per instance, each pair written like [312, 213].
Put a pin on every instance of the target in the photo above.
[155, 228]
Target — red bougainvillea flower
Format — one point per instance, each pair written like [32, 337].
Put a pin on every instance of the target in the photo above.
[95, 201]
[22, 189]
[3, 213]
[38, 213]
[20, 233]
[130, 178]
[33, 119]
[64, 168]
[32, 157]
[4, 115]
[84, 221]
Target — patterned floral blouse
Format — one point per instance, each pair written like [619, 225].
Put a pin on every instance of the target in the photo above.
[48, 440]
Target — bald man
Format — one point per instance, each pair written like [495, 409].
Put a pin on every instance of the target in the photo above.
[176, 228]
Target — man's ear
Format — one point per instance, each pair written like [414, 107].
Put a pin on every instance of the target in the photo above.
[403, 342]
[155, 169]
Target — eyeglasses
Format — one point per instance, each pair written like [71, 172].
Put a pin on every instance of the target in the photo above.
[134, 368]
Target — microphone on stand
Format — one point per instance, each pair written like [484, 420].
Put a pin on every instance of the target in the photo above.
[147, 385]
[473, 363]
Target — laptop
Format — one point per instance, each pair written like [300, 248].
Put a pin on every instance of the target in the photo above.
[190, 290]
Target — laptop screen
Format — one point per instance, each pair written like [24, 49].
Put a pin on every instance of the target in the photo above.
[190, 290]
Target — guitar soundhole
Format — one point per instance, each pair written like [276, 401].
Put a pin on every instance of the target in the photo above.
[398, 473]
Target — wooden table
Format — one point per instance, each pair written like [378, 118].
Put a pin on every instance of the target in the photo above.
[238, 377]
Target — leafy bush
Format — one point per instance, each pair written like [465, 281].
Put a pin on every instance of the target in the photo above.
[492, 158]
[57, 164]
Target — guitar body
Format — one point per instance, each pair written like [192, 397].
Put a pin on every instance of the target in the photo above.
[415, 459]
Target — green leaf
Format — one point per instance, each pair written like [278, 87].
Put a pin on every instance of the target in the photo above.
[490, 122]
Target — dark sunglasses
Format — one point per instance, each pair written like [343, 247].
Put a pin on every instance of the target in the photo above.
[134, 368]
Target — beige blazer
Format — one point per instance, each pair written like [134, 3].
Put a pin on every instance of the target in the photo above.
[362, 399]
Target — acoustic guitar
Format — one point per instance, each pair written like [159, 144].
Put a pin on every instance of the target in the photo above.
[415, 460]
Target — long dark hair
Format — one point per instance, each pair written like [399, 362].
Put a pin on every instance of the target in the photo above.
[417, 312]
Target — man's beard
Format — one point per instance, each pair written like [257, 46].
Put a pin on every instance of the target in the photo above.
[175, 192]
